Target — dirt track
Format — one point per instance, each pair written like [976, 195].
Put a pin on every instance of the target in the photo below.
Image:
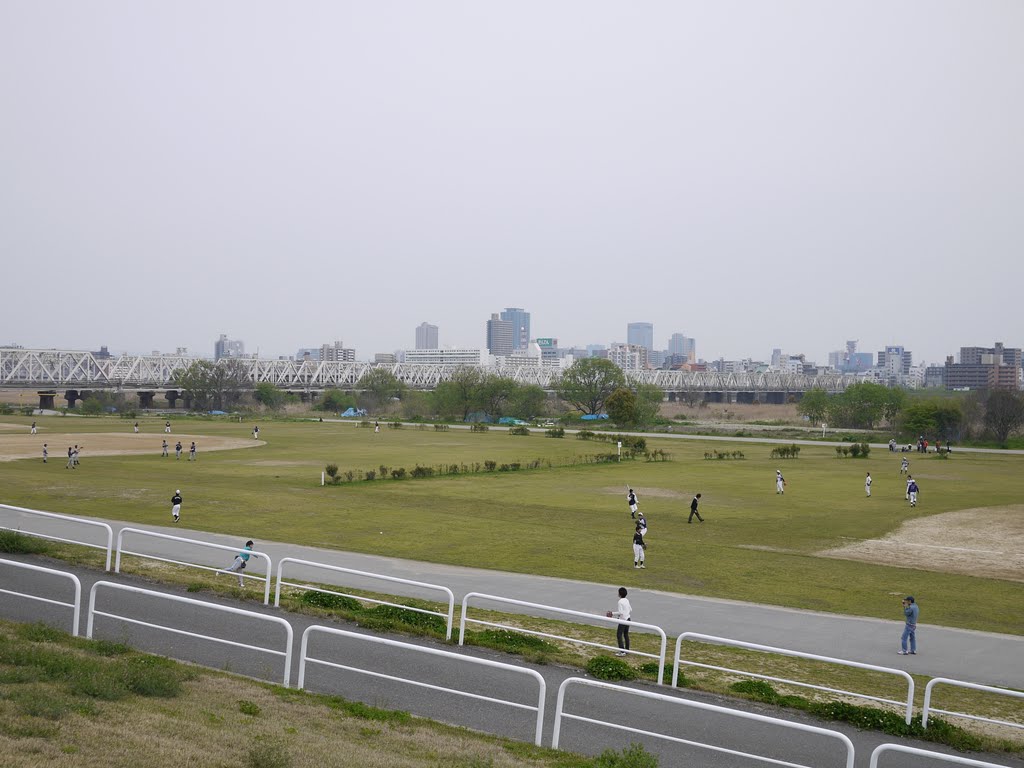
[28, 446]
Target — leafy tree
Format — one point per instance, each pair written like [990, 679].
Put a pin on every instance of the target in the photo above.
[919, 419]
[527, 402]
[494, 392]
[621, 406]
[865, 404]
[269, 396]
[381, 385]
[648, 403]
[588, 382]
[460, 394]
[336, 401]
[814, 405]
[942, 418]
[1004, 412]
[213, 385]
[417, 405]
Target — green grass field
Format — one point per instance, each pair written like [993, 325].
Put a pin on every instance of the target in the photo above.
[568, 521]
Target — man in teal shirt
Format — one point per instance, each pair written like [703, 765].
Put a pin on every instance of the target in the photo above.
[241, 559]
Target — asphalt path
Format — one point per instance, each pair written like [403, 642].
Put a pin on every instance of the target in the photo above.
[972, 656]
[679, 719]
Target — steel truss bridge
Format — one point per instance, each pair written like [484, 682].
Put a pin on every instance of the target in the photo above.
[53, 369]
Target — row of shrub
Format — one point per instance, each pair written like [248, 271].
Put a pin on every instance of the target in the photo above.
[786, 452]
[383, 472]
[855, 451]
[724, 455]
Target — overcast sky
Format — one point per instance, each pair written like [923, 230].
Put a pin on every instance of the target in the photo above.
[752, 174]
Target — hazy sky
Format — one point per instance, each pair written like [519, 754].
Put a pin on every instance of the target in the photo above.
[753, 174]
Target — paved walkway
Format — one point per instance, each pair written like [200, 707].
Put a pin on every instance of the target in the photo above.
[980, 657]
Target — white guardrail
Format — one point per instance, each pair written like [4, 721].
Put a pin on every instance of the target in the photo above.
[561, 714]
[660, 656]
[941, 757]
[974, 687]
[289, 635]
[908, 705]
[223, 547]
[541, 685]
[67, 518]
[76, 606]
[449, 617]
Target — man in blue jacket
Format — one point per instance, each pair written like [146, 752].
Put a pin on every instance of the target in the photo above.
[910, 612]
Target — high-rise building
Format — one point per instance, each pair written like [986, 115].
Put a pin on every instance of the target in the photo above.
[894, 365]
[631, 357]
[426, 336]
[520, 320]
[499, 336]
[682, 346]
[225, 347]
[997, 367]
[640, 335]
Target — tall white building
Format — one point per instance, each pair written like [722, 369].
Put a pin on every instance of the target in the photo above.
[500, 336]
[629, 357]
[426, 336]
[336, 353]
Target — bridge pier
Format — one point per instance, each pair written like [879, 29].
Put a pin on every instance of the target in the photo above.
[146, 399]
[172, 396]
[46, 400]
[73, 396]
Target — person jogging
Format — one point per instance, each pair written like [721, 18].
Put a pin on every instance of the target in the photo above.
[693, 510]
[623, 611]
[631, 500]
[639, 548]
[241, 561]
[176, 505]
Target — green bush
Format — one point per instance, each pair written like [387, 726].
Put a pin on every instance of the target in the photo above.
[855, 450]
[511, 642]
[490, 465]
[555, 432]
[610, 668]
[419, 471]
[865, 449]
[389, 616]
[398, 474]
[331, 601]
[15, 543]
[478, 427]
[519, 430]
[584, 434]
[633, 756]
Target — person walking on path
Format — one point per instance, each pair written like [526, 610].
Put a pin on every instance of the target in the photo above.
[167, 427]
[33, 431]
[693, 510]
[192, 451]
[46, 453]
[136, 427]
[912, 490]
[867, 485]
[241, 560]
[164, 448]
[623, 611]
[910, 613]
[905, 466]
[639, 547]
[780, 482]
[176, 505]
[177, 450]
[631, 500]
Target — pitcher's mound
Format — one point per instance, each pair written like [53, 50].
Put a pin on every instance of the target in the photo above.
[987, 541]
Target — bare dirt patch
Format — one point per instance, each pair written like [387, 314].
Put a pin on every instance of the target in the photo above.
[658, 493]
[986, 541]
[26, 446]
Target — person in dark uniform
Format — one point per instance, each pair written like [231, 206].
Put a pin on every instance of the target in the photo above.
[693, 510]
[176, 505]
[631, 500]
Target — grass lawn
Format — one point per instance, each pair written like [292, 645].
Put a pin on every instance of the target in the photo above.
[567, 521]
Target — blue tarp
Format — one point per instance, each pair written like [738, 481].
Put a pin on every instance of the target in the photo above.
[512, 420]
[593, 416]
[355, 412]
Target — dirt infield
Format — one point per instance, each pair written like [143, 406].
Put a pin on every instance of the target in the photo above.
[26, 446]
[989, 543]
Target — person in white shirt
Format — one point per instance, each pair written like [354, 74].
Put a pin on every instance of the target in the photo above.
[623, 611]
[867, 485]
[780, 482]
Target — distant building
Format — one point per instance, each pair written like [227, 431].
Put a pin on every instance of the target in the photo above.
[596, 350]
[500, 340]
[308, 353]
[995, 367]
[629, 357]
[103, 354]
[640, 335]
[336, 353]
[549, 350]
[684, 346]
[520, 320]
[386, 358]
[656, 357]
[225, 347]
[426, 336]
[473, 357]
[894, 366]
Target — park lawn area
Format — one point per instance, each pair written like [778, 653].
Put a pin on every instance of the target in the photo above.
[569, 521]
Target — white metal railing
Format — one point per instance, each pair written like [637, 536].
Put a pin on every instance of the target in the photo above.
[907, 705]
[974, 687]
[660, 656]
[561, 714]
[940, 756]
[223, 547]
[286, 653]
[449, 617]
[76, 606]
[541, 685]
[96, 524]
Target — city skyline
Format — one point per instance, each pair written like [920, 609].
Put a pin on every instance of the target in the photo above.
[742, 174]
